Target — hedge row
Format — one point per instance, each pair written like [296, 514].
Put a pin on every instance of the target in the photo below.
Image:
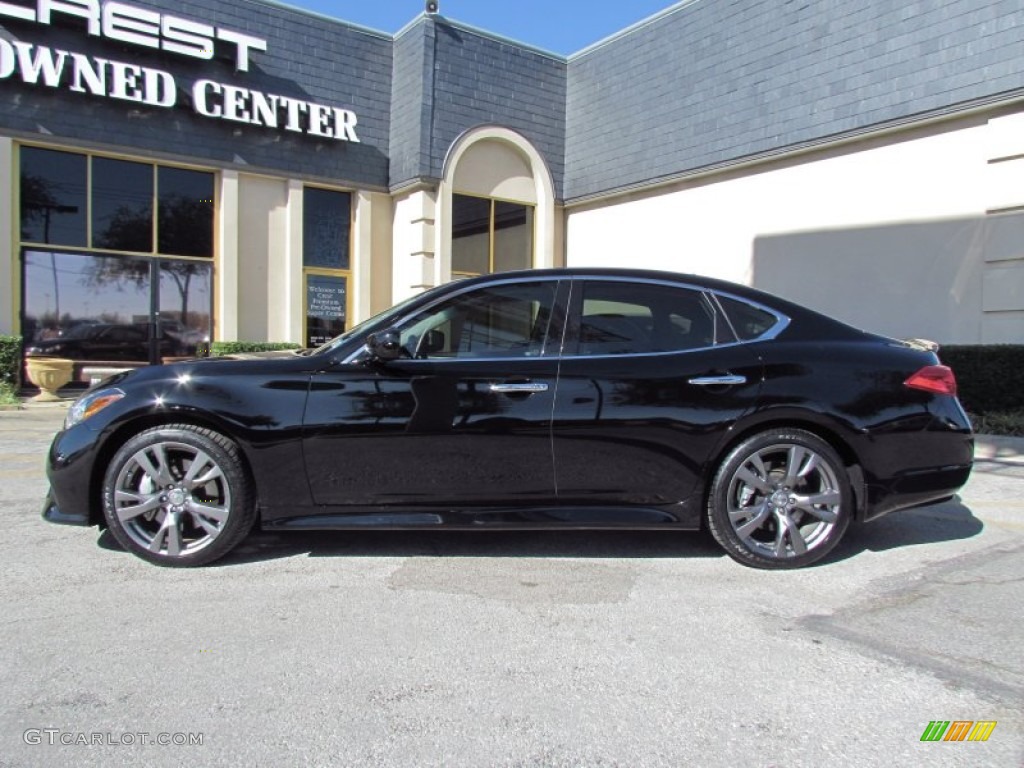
[10, 360]
[219, 348]
[990, 380]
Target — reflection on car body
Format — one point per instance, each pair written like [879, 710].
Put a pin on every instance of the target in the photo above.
[599, 399]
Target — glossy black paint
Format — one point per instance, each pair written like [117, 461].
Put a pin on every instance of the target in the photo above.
[336, 439]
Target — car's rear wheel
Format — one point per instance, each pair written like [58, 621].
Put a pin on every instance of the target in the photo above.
[178, 495]
[780, 499]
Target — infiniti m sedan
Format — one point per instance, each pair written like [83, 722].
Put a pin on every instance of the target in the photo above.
[547, 399]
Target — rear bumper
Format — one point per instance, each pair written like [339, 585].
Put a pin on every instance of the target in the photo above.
[916, 488]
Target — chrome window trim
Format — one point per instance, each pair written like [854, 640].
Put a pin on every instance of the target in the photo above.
[781, 321]
[710, 294]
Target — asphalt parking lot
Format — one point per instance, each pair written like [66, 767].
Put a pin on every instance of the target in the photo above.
[563, 649]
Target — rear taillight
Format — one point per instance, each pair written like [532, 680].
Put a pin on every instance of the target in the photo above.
[934, 378]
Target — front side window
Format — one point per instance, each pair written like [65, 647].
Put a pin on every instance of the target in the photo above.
[490, 236]
[621, 318]
[503, 321]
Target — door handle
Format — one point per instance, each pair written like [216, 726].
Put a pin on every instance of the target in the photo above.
[718, 381]
[521, 387]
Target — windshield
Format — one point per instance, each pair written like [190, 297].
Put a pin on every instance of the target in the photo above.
[383, 319]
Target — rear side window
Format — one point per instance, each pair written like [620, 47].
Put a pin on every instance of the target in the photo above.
[621, 318]
[748, 321]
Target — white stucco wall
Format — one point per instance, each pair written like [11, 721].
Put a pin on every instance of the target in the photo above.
[860, 231]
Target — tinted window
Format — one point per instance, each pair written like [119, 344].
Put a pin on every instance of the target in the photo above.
[471, 235]
[53, 197]
[635, 318]
[186, 296]
[513, 236]
[326, 216]
[499, 321]
[122, 205]
[74, 296]
[748, 321]
[185, 212]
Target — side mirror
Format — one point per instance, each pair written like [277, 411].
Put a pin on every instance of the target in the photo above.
[384, 345]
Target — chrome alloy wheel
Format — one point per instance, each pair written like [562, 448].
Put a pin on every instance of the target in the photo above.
[172, 498]
[784, 500]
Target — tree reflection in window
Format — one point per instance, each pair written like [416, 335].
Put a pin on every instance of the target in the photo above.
[53, 197]
[122, 205]
[184, 212]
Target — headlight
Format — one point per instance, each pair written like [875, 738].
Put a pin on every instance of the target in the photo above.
[90, 404]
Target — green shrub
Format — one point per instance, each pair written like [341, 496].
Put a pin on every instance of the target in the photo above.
[1009, 423]
[8, 394]
[989, 377]
[10, 361]
[219, 348]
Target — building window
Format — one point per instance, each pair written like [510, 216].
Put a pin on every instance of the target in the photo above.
[54, 194]
[326, 260]
[490, 236]
[72, 199]
[116, 257]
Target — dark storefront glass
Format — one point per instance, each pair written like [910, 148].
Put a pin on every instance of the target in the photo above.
[471, 235]
[186, 296]
[95, 308]
[185, 212]
[87, 307]
[326, 221]
[122, 205]
[53, 197]
[513, 236]
[103, 307]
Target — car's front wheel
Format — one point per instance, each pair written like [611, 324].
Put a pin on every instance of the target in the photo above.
[178, 495]
[780, 499]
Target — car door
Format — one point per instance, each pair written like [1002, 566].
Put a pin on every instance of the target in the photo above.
[463, 419]
[650, 381]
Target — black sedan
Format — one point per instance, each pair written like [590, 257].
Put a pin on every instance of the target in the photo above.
[588, 399]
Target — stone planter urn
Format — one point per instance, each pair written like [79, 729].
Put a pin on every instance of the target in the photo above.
[49, 374]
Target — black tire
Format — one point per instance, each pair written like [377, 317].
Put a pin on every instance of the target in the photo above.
[178, 495]
[780, 499]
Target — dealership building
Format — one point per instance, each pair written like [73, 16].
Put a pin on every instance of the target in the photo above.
[243, 170]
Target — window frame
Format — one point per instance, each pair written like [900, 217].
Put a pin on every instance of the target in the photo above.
[308, 272]
[493, 201]
[709, 296]
[89, 247]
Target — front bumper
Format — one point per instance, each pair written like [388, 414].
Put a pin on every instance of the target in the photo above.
[69, 468]
[53, 514]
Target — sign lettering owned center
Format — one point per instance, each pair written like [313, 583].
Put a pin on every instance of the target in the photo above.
[53, 68]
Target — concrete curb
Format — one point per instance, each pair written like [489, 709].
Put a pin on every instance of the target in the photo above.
[999, 448]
